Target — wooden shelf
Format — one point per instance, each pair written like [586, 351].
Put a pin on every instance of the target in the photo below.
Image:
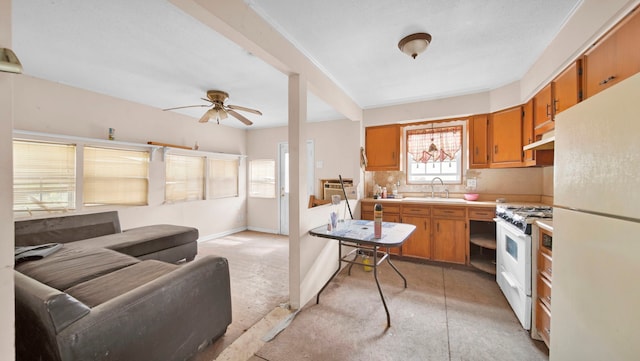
[485, 263]
[484, 240]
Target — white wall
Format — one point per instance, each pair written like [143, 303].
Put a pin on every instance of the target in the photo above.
[337, 145]
[44, 106]
[7, 332]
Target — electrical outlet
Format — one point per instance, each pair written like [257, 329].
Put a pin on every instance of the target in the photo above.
[471, 183]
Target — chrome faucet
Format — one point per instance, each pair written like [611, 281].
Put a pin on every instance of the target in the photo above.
[432, 190]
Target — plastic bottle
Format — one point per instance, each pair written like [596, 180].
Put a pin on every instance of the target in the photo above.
[377, 221]
[394, 190]
[384, 192]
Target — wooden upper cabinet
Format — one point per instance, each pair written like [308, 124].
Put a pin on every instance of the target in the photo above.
[532, 158]
[613, 58]
[505, 130]
[479, 141]
[382, 146]
[568, 88]
[527, 129]
[543, 110]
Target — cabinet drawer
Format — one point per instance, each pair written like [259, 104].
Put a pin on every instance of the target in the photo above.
[386, 208]
[545, 265]
[544, 290]
[415, 210]
[449, 212]
[543, 322]
[482, 214]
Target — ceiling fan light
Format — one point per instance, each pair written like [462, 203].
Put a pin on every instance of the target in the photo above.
[208, 115]
[414, 44]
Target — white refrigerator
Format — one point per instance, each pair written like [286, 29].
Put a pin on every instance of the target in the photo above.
[595, 308]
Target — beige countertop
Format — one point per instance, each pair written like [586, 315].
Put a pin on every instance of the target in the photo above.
[546, 224]
[432, 202]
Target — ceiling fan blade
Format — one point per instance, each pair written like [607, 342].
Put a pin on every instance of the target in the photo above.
[239, 117]
[237, 107]
[187, 106]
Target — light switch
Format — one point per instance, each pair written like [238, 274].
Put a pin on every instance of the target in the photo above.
[319, 164]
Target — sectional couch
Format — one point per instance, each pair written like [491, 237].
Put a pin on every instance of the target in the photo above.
[108, 294]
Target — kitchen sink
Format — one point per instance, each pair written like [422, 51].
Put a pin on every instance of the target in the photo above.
[434, 200]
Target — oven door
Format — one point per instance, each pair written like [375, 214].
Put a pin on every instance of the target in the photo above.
[513, 269]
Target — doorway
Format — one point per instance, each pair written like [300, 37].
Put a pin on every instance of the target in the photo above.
[283, 180]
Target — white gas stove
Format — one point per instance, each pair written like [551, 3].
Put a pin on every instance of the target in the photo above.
[513, 255]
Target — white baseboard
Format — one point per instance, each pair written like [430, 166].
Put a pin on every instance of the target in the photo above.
[221, 234]
[263, 230]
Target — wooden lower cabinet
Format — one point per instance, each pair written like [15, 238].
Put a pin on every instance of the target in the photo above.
[449, 240]
[441, 232]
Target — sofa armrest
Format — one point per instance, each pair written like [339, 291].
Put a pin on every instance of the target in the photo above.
[170, 317]
[41, 313]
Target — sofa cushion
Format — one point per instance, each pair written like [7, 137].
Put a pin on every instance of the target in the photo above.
[72, 265]
[144, 240]
[65, 229]
[101, 289]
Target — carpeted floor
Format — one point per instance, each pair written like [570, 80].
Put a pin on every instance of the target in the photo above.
[444, 314]
[259, 274]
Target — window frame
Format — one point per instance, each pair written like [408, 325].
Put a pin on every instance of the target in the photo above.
[460, 155]
[72, 173]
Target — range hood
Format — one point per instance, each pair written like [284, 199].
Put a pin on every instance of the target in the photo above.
[547, 142]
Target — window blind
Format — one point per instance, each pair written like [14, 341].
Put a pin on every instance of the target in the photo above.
[44, 176]
[115, 176]
[262, 178]
[184, 178]
[223, 178]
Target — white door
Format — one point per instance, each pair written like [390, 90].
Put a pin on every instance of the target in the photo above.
[283, 180]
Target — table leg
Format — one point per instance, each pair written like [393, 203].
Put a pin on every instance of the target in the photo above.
[354, 259]
[334, 273]
[375, 275]
[394, 267]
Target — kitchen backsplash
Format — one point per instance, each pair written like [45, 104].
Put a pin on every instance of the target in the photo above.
[514, 184]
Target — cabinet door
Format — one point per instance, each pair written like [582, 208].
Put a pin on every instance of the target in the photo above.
[391, 218]
[478, 141]
[382, 146]
[567, 89]
[543, 110]
[627, 47]
[419, 243]
[506, 138]
[449, 240]
[599, 67]
[527, 130]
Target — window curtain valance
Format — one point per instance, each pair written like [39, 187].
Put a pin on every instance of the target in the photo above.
[448, 142]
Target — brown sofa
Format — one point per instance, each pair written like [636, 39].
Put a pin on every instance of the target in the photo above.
[93, 300]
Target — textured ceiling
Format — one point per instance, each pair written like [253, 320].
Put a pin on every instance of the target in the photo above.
[150, 52]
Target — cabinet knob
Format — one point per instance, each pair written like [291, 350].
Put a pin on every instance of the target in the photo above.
[548, 110]
[495, 149]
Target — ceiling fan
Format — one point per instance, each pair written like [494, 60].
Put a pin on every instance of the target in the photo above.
[219, 110]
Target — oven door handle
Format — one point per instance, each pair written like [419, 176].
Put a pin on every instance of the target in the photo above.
[509, 280]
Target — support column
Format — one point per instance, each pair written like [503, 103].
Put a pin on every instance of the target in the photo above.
[297, 182]
[7, 315]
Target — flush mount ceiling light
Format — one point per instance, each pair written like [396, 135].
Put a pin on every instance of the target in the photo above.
[414, 44]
